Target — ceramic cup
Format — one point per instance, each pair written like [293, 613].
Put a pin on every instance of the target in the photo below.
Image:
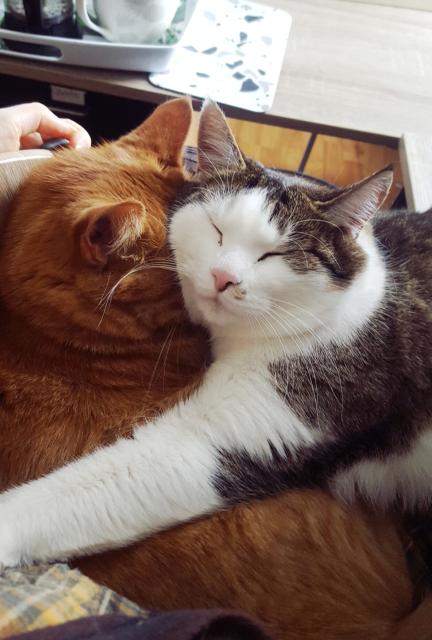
[130, 21]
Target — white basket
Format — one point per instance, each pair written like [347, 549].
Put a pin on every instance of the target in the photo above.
[94, 51]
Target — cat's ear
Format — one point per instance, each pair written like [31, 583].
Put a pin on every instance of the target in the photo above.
[164, 132]
[354, 207]
[217, 148]
[110, 229]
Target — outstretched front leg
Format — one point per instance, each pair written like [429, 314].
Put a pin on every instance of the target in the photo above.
[160, 476]
[165, 474]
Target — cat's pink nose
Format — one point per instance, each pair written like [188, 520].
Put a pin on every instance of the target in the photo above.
[223, 279]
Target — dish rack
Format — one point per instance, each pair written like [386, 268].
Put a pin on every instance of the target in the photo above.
[93, 51]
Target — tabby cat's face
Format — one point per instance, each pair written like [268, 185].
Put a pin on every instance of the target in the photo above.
[259, 250]
[243, 251]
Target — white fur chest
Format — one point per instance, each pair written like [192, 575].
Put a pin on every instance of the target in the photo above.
[240, 408]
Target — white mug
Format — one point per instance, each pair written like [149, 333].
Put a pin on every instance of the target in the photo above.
[132, 21]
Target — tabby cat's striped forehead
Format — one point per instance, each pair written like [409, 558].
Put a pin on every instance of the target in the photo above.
[290, 197]
[297, 206]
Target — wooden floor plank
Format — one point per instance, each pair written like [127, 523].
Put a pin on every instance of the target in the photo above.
[334, 159]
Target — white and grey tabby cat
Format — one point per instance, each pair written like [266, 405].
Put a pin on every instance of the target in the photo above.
[322, 374]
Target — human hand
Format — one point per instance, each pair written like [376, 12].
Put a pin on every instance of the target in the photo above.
[26, 126]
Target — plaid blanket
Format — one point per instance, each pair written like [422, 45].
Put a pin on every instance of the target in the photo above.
[46, 595]
[54, 602]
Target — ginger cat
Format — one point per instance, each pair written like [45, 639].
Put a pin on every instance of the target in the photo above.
[75, 357]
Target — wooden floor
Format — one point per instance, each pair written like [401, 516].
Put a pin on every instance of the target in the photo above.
[337, 160]
[334, 159]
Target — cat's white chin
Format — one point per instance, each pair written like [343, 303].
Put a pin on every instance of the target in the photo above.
[215, 311]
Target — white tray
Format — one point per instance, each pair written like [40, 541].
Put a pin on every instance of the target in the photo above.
[94, 51]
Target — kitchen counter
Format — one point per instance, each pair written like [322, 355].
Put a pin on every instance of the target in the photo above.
[351, 69]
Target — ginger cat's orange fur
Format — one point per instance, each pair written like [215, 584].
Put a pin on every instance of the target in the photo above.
[74, 375]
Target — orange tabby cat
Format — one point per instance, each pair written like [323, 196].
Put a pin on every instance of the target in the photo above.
[80, 366]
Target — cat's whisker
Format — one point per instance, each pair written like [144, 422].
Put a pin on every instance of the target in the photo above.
[110, 295]
[307, 312]
[322, 221]
[168, 265]
[309, 330]
[285, 353]
[107, 298]
[291, 239]
[323, 346]
[314, 387]
[265, 327]
[172, 333]
[319, 240]
[158, 359]
[165, 267]
[316, 353]
[104, 291]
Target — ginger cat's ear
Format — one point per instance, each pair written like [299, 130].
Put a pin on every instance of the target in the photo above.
[217, 148]
[110, 229]
[164, 132]
[356, 204]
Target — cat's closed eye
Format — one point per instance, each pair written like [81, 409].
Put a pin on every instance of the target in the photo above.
[269, 254]
[220, 234]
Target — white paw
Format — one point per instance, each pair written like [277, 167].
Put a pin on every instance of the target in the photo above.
[9, 552]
